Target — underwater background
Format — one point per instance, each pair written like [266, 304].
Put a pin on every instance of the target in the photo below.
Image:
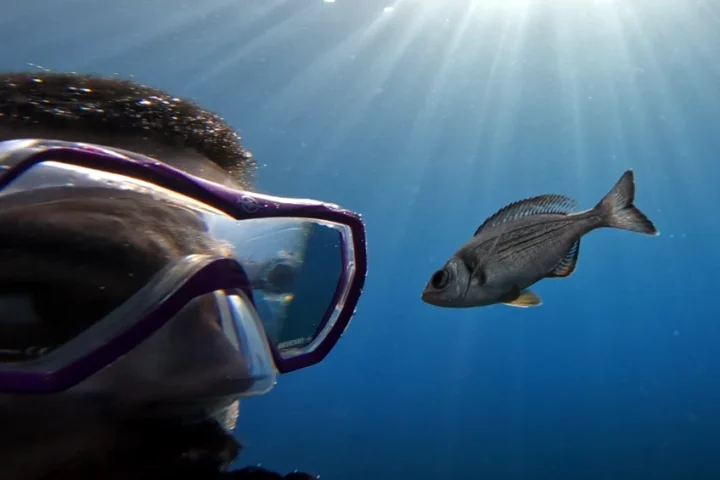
[427, 117]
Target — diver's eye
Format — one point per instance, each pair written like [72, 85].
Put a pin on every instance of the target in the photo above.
[440, 279]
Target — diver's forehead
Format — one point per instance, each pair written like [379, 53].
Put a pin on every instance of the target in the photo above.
[186, 159]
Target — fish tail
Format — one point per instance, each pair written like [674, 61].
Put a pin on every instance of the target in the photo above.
[618, 211]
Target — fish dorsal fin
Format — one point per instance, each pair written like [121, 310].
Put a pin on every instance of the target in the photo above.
[543, 204]
[567, 265]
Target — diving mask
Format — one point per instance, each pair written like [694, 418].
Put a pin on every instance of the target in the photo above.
[281, 285]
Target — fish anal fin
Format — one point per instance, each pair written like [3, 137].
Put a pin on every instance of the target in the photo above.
[526, 299]
[567, 265]
[540, 205]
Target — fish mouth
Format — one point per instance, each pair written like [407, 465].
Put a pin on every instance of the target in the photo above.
[428, 297]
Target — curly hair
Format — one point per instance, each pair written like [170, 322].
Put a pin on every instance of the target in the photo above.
[114, 106]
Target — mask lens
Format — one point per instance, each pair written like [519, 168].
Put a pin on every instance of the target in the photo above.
[296, 268]
[299, 268]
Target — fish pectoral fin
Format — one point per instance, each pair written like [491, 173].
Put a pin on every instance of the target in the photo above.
[525, 299]
[567, 265]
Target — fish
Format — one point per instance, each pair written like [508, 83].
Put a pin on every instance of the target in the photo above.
[527, 241]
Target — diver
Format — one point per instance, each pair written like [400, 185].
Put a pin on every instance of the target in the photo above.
[144, 288]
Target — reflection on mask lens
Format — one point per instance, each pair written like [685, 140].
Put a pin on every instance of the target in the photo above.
[295, 267]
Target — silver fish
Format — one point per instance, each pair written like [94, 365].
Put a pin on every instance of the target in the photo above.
[525, 242]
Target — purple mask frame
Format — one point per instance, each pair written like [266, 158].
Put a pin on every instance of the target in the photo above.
[240, 205]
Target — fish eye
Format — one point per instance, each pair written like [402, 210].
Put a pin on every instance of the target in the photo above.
[440, 279]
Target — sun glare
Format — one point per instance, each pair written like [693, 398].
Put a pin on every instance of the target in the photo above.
[450, 59]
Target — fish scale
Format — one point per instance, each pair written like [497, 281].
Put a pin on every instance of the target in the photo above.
[530, 237]
[518, 240]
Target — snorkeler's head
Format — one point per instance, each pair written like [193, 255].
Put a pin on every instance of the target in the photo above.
[67, 257]
[58, 246]
[151, 283]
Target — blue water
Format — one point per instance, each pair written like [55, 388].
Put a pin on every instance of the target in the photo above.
[427, 118]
